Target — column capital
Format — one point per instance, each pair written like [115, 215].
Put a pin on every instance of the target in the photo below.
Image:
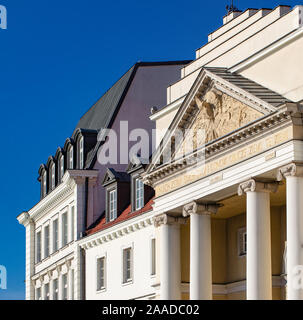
[200, 208]
[253, 185]
[290, 170]
[165, 219]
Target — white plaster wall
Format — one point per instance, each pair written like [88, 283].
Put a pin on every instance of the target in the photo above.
[140, 240]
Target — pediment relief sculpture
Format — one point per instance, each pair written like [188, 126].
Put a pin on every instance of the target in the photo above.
[218, 114]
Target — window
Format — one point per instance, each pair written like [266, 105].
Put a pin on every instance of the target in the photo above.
[64, 229]
[44, 183]
[72, 284]
[53, 176]
[242, 241]
[55, 235]
[55, 289]
[61, 167]
[81, 153]
[112, 205]
[101, 273]
[64, 287]
[46, 291]
[38, 247]
[46, 241]
[139, 194]
[127, 265]
[72, 223]
[38, 294]
[71, 158]
[153, 257]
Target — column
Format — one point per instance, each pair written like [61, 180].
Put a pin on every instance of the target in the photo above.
[200, 249]
[170, 256]
[30, 257]
[293, 173]
[258, 258]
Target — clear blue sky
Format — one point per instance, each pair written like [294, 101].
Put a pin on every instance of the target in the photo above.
[56, 60]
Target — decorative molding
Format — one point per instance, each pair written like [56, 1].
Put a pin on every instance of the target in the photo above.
[287, 113]
[101, 238]
[253, 185]
[290, 170]
[200, 208]
[165, 219]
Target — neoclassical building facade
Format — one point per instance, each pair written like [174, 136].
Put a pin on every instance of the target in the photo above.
[216, 212]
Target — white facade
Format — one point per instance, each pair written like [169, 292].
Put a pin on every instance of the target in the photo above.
[264, 46]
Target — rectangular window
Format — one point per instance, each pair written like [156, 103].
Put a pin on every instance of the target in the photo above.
[64, 287]
[46, 291]
[55, 289]
[242, 241]
[153, 257]
[72, 223]
[38, 247]
[112, 205]
[127, 265]
[38, 294]
[46, 241]
[64, 229]
[72, 284]
[55, 235]
[139, 194]
[101, 273]
[81, 153]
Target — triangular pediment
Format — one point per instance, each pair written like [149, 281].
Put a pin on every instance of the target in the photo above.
[217, 106]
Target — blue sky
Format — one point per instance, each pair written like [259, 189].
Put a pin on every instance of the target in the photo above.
[56, 59]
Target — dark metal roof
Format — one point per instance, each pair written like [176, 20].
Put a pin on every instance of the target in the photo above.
[250, 86]
[99, 115]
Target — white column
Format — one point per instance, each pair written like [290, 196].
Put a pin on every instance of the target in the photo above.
[170, 256]
[258, 258]
[200, 249]
[30, 257]
[294, 229]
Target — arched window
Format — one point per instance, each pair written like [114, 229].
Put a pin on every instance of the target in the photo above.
[53, 176]
[71, 158]
[61, 163]
[44, 190]
[81, 153]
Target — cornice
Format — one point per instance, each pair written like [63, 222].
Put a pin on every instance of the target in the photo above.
[288, 113]
[108, 235]
[70, 179]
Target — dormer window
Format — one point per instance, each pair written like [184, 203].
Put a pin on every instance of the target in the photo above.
[81, 153]
[53, 176]
[112, 205]
[71, 157]
[139, 186]
[44, 190]
[61, 164]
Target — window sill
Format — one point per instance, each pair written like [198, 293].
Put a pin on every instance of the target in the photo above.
[127, 283]
[101, 290]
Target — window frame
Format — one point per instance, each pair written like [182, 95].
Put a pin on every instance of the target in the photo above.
[64, 229]
[38, 290]
[242, 242]
[115, 203]
[141, 188]
[125, 279]
[38, 248]
[99, 287]
[56, 243]
[53, 175]
[71, 157]
[46, 295]
[55, 291]
[153, 256]
[44, 183]
[46, 239]
[64, 286]
[61, 167]
[81, 152]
